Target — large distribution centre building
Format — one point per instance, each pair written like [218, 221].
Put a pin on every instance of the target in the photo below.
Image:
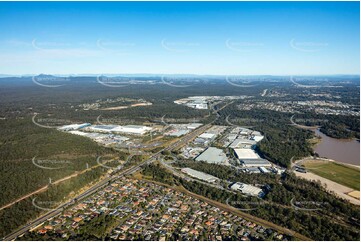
[246, 154]
[200, 175]
[255, 162]
[74, 126]
[247, 189]
[130, 129]
[213, 155]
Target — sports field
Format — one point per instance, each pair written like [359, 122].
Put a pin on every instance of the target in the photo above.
[342, 174]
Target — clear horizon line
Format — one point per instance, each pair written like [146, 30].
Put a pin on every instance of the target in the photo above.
[167, 74]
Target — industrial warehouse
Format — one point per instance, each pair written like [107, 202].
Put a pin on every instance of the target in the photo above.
[104, 139]
[204, 102]
[213, 155]
[238, 141]
[246, 154]
[108, 135]
[238, 150]
[128, 129]
[242, 143]
[255, 162]
[74, 127]
[248, 189]
[200, 175]
[178, 130]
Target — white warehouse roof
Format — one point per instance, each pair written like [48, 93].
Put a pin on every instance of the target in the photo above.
[131, 129]
[200, 175]
[206, 136]
[263, 169]
[258, 138]
[194, 125]
[73, 126]
[246, 154]
[247, 189]
[134, 129]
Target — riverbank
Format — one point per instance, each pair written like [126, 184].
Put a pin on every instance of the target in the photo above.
[342, 150]
[346, 151]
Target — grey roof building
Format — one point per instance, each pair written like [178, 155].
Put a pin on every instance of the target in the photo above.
[255, 162]
[200, 175]
[213, 155]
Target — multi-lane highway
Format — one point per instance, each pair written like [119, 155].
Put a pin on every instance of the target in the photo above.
[179, 143]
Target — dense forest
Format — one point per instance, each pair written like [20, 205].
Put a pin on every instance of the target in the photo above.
[335, 126]
[62, 154]
[25, 211]
[24, 149]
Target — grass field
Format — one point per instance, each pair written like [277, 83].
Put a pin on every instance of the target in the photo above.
[342, 174]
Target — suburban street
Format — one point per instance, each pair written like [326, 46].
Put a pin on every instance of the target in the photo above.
[182, 141]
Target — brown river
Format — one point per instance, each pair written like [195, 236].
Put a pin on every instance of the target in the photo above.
[342, 150]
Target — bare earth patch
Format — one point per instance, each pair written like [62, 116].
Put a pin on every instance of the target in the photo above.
[125, 107]
[344, 174]
[338, 189]
[141, 104]
[115, 108]
[355, 194]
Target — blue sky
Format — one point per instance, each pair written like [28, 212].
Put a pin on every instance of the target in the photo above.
[234, 38]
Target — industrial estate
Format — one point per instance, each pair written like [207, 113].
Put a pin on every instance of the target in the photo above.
[150, 212]
[232, 146]
[180, 121]
[222, 145]
[138, 205]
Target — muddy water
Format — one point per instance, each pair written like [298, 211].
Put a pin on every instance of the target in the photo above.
[343, 150]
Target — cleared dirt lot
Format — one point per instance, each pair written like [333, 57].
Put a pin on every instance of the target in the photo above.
[338, 189]
[343, 174]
